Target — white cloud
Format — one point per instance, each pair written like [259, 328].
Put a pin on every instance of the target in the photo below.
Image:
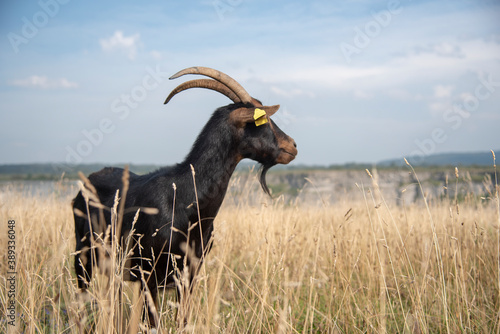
[291, 92]
[43, 82]
[444, 49]
[441, 91]
[361, 94]
[126, 44]
[156, 55]
[439, 107]
[406, 76]
[466, 96]
[403, 94]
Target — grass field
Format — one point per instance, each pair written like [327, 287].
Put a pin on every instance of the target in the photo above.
[348, 267]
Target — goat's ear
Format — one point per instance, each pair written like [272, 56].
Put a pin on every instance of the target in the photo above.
[241, 116]
[271, 110]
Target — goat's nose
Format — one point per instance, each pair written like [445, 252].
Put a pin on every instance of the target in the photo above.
[294, 144]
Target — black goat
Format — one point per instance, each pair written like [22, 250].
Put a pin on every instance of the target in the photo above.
[234, 132]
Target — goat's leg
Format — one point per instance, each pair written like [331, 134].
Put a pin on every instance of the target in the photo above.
[83, 268]
[84, 253]
[85, 259]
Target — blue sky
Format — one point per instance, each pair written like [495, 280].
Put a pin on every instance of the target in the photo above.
[357, 81]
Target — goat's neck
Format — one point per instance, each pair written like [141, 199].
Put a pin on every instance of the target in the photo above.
[213, 161]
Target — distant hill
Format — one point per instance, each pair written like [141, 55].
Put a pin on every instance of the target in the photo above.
[445, 159]
[54, 171]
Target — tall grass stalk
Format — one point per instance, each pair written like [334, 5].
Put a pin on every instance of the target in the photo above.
[497, 199]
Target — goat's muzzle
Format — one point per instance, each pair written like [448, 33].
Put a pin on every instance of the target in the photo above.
[288, 151]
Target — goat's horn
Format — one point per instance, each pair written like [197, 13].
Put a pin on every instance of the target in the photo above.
[205, 83]
[219, 76]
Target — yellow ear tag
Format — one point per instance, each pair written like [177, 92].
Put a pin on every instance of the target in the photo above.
[259, 117]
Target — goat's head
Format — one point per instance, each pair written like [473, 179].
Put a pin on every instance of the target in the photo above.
[258, 137]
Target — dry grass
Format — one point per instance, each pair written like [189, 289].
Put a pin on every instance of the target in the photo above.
[343, 268]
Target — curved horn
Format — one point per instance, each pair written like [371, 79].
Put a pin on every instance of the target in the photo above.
[204, 83]
[219, 76]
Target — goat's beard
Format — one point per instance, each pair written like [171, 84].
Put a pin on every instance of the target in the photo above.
[262, 179]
